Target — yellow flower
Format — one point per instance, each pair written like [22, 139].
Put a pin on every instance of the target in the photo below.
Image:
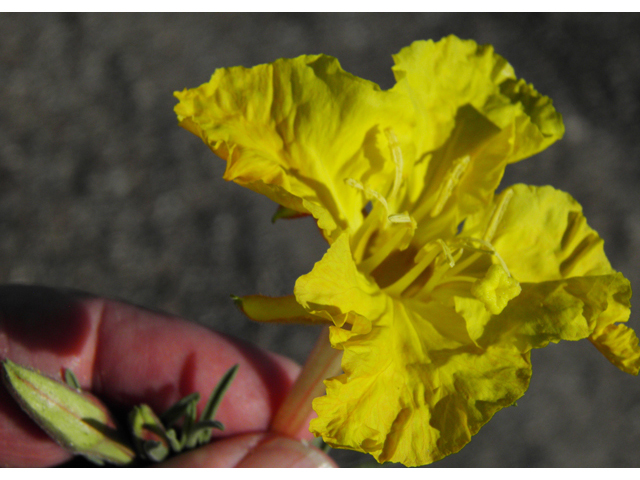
[436, 291]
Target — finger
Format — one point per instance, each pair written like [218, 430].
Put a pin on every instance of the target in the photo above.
[253, 450]
[129, 355]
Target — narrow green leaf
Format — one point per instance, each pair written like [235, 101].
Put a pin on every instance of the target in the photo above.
[155, 451]
[223, 385]
[149, 436]
[78, 421]
[196, 436]
[173, 441]
[211, 408]
[71, 379]
[189, 421]
[178, 409]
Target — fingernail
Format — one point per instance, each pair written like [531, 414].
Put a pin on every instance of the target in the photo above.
[281, 452]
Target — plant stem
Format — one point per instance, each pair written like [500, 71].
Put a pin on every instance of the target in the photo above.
[323, 363]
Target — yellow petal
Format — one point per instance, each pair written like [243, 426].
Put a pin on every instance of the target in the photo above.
[276, 310]
[614, 340]
[295, 129]
[541, 234]
[335, 287]
[620, 345]
[415, 387]
[471, 108]
[570, 309]
[495, 289]
[412, 395]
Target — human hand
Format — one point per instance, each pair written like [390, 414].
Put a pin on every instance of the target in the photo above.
[127, 355]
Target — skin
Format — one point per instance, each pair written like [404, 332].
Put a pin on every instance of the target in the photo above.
[128, 355]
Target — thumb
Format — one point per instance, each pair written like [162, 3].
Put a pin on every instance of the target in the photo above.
[253, 450]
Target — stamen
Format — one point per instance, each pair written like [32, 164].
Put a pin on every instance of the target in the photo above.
[439, 272]
[496, 216]
[371, 193]
[460, 266]
[399, 218]
[394, 217]
[408, 278]
[449, 182]
[370, 264]
[460, 278]
[493, 250]
[396, 154]
[447, 252]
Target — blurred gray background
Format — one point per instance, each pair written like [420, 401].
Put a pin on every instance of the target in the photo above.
[100, 190]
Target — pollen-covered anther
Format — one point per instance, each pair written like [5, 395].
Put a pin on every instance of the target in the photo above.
[496, 289]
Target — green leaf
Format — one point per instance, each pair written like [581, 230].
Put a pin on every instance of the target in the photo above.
[71, 379]
[76, 420]
[213, 403]
[196, 435]
[187, 440]
[179, 409]
[149, 435]
[173, 440]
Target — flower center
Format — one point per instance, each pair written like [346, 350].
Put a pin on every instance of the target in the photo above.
[461, 263]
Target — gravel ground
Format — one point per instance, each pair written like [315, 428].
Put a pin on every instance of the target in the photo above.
[100, 190]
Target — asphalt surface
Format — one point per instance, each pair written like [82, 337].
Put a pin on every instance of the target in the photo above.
[100, 190]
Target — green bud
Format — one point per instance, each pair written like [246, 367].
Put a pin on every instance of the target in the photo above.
[76, 420]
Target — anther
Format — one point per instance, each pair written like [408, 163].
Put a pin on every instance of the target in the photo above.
[394, 217]
[494, 251]
[396, 154]
[399, 218]
[447, 252]
[449, 182]
[369, 192]
[496, 215]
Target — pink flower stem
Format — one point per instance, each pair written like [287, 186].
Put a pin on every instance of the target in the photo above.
[295, 411]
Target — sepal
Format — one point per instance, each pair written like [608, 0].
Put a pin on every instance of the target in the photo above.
[76, 420]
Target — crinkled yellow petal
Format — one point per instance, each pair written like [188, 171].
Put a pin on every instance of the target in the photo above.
[569, 309]
[614, 340]
[335, 287]
[295, 129]
[409, 393]
[443, 76]
[619, 344]
[541, 234]
[415, 387]
[470, 108]
[537, 124]
[276, 310]
[495, 289]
